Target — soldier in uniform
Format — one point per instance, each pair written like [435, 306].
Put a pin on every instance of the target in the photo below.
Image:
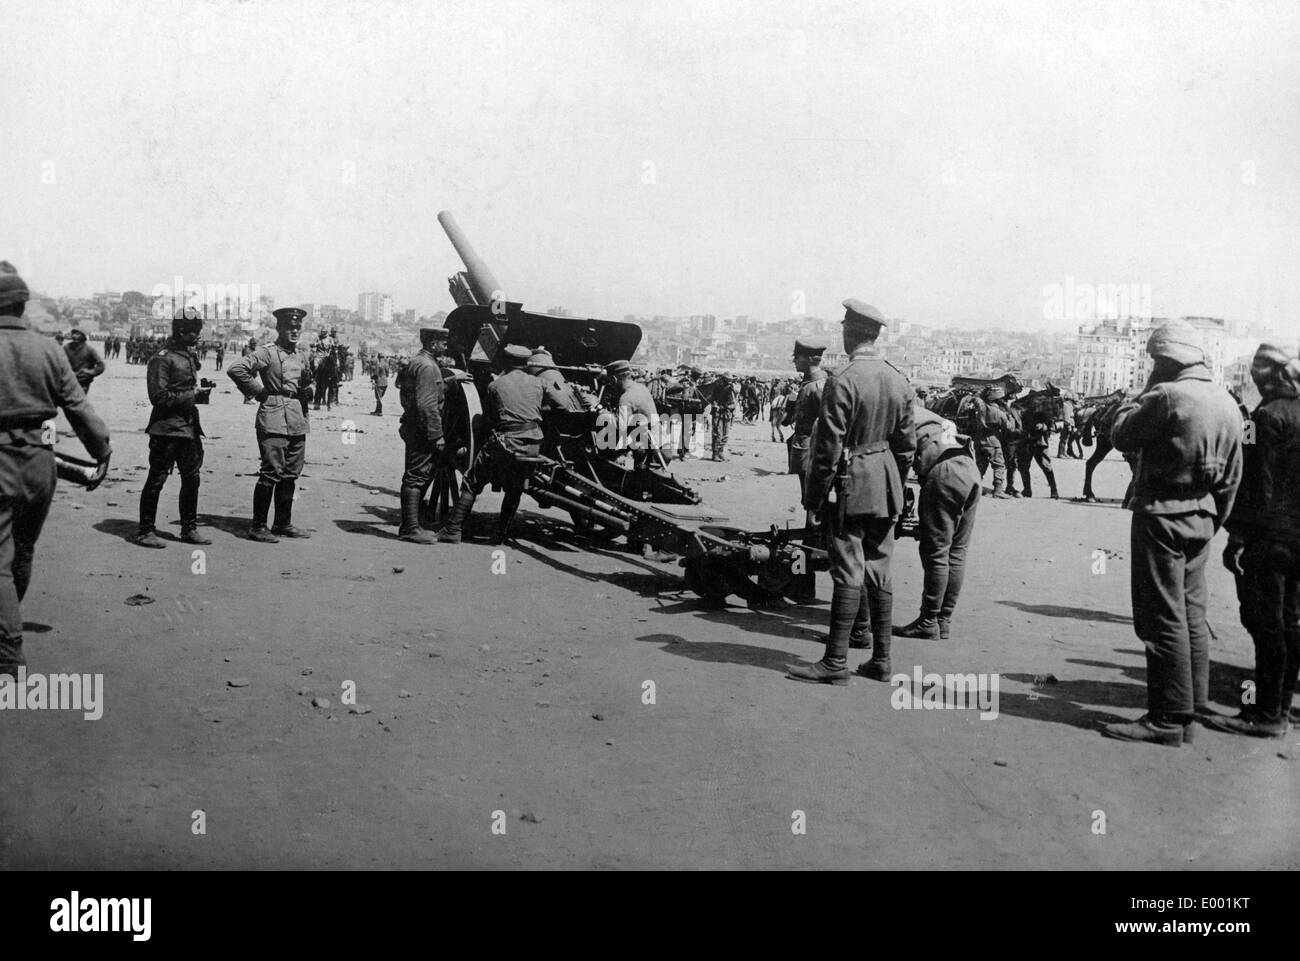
[276, 376]
[861, 450]
[991, 422]
[86, 364]
[175, 435]
[801, 417]
[1186, 432]
[723, 398]
[950, 492]
[636, 410]
[557, 391]
[514, 401]
[379, 381]
[1035, 447]
[421, 430]
[35, 382]
[1264, 546]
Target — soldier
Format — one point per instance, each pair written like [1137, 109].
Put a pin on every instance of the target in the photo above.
[86, 364]
[1035, 447]
[379, 381]
[1264, 546]
[1187, 434]
[274, 376]
[801, 417]
[991, 421]
[723, 398]
[221, 353]
[636, 412]
[556, 391]
[515, 414]
[175, 435]
[35, 382]
[862, 450]
[421, 430]
[950, 492]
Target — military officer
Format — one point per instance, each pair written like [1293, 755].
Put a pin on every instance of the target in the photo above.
[514, 401]
[276, 376]
[421, 431]
[801, 417]
[1187, 432]
[950, 492]
[36, 381]
[861, 450]
[175, 434]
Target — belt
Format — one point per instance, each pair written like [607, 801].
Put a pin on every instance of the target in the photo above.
[875, 447]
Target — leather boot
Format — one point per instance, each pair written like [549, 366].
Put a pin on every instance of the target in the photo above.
[262, 495]
[924, 628]
[882, 616]
[284, 512]
[1051, 483]
[451, 531]
[833, 667]
[189, 503]
[509, 504]
[411, 531]
[11, 655]
[860, 635]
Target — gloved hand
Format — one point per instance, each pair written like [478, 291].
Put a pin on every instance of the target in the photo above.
[1232, 555]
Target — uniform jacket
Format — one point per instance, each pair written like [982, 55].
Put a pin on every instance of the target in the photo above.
[86, 364]
[802, 414]
[274, 372]
[1187, 435]
[378, 374]
[422, 398]
[171, 382]
[1268, 501]
[515, 409]
[723, 397]
[558, 393]
[36, 380]
[992, 420]
[864, 440]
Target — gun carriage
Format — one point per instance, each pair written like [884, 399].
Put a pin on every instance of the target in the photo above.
[576, 472]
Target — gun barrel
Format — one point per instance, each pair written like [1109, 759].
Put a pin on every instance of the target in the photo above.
[482, 281]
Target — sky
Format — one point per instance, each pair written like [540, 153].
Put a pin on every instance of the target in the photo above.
[948, 162]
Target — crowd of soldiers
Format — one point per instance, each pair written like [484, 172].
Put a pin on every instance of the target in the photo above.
[856, 434]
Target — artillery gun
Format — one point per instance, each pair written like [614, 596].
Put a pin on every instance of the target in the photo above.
[573, 473]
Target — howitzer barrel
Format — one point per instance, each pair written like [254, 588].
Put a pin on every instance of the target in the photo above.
[482, 281]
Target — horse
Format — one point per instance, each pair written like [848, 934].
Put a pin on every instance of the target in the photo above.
[1095, 417]
[325, 373]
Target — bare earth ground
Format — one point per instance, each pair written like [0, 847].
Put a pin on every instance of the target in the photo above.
[521, 692]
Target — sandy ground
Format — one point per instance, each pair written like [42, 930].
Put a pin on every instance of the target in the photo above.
[521, 692]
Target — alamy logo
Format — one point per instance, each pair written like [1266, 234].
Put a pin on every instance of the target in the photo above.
[102, 915]
[954, 692]
[53, 692]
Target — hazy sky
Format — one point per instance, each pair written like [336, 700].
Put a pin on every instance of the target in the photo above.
[943, 161]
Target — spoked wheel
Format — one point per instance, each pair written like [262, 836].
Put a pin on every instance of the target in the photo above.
[463, 428]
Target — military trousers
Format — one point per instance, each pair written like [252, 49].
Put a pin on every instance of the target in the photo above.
[418, 471]
[1269, 595]
[186, 455]
[27, 480]
[282, 457]
[1027, 455]
[1168, 591]
[988, 453]
[721, 430]
[860, 551]
[949, 497]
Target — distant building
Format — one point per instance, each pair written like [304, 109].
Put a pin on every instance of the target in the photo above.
[374, 307]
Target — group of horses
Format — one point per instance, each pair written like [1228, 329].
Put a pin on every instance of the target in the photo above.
[1091, 417]
[329, 369]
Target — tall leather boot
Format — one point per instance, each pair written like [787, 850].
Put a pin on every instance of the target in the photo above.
[262, 494]
[1051, 483]
[882, 616]
[284, 512]
[860, 635]
[451, 531]
[11, 655]
[411, 531]
[189, 503]
[833, 667]
[509, 504]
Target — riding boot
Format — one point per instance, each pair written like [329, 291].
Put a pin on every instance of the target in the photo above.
[451, 531]
[509, 504]
[882, 617]
[262, 495]
[284, 511]
[833, 667]
[410, 530]
[859, 637]
[1051, 483]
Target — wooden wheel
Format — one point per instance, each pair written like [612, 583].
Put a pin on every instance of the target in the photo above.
[464, 429]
